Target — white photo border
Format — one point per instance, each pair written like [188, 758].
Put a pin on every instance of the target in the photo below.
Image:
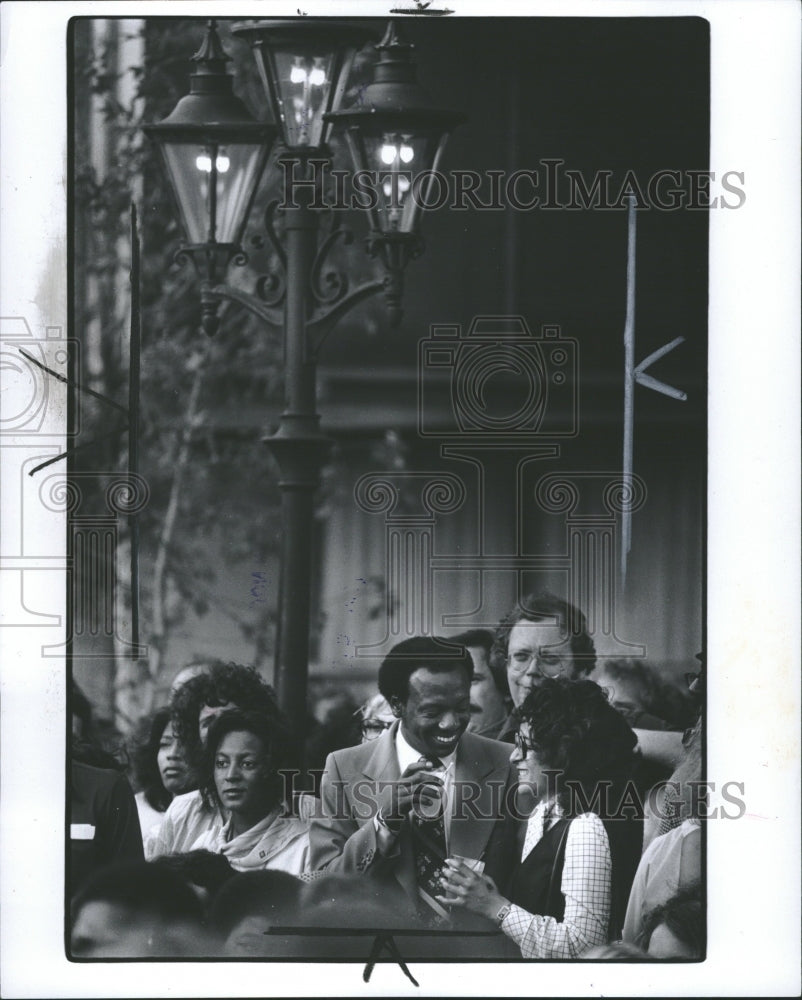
[753, 537]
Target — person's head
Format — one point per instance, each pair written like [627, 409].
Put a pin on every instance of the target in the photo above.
[244, 754]
[188, 672]
[375, 717]
[570, 738]
[248, 906]
[428, 686]
[543, 636]
[334, 706]
[135, 910]
[80, 711]
[160, 764]
[489, 690]
[222, 686]
[676, 929]
[644, 697]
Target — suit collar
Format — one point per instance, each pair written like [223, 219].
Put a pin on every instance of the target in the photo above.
[381, 762]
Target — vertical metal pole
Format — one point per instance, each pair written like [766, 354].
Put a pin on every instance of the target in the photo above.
[299, 448]
[133, 426]
[629, 384]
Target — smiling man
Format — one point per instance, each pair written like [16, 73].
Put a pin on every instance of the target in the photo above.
[394, 808]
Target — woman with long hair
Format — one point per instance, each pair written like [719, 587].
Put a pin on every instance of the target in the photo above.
[161, 772]
[569, 890]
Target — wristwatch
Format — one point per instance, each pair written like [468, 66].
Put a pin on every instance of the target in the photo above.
[502, 913]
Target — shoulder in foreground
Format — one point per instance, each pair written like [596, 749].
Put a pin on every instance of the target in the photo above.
[588, 821]
[347, 757]
[88, 774]
[185, 803]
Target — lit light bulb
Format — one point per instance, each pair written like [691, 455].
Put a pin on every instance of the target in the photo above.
[317, 77]
[204, 163]
[223, 163]
[407, 153]
[388, 153]
[297, 74]
[402, 186]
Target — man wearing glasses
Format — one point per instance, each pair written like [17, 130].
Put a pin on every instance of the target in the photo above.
[542, 636]
[545, 636]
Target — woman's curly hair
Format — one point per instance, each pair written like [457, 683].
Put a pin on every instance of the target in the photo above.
[271, 727]
[576, 733]
[223, 684]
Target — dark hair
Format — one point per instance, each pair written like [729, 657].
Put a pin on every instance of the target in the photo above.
[482, 638]
[576, 732]
[144, 760]
[224, 683]
[80, 707]
[655, 695]
[149, 891]
[421, 651]
[203, 868]
[91, 746]
[682, 914]
[270, 727]
[269, 893]
[543, 607]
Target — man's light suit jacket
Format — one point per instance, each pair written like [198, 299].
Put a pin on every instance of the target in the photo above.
[343, 837]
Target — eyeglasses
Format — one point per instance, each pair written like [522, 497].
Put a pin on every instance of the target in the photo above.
[549, 663]
[524, 745]
[373, 729]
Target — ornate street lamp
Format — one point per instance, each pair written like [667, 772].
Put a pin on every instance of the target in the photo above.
[215, 152]
[304, 67]
[398, 136]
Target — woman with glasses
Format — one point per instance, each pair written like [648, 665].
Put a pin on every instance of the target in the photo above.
[569, 891]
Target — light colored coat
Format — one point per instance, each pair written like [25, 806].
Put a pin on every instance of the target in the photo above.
[343, 835]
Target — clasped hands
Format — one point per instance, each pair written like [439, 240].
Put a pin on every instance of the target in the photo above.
[463, 887]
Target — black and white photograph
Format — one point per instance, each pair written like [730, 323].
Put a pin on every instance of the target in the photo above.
[400, 492]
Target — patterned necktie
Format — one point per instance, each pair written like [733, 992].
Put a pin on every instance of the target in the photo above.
[430, 851]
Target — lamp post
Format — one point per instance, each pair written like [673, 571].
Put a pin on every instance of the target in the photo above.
[304, 68]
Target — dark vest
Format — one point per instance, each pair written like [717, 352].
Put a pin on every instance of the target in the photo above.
[535, 884]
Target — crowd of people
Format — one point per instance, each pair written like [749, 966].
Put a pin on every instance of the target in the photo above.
[505, 787]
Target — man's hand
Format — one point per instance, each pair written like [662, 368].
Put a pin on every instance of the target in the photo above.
[417, 786]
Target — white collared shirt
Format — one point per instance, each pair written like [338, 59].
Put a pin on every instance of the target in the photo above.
[408, 755]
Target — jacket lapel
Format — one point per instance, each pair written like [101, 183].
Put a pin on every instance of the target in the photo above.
[479, 788]
[382, 765]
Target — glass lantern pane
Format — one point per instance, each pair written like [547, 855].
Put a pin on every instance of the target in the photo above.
[305, 80]
[214, 184]
[191, 187]
[401, 162]
[237, 174]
